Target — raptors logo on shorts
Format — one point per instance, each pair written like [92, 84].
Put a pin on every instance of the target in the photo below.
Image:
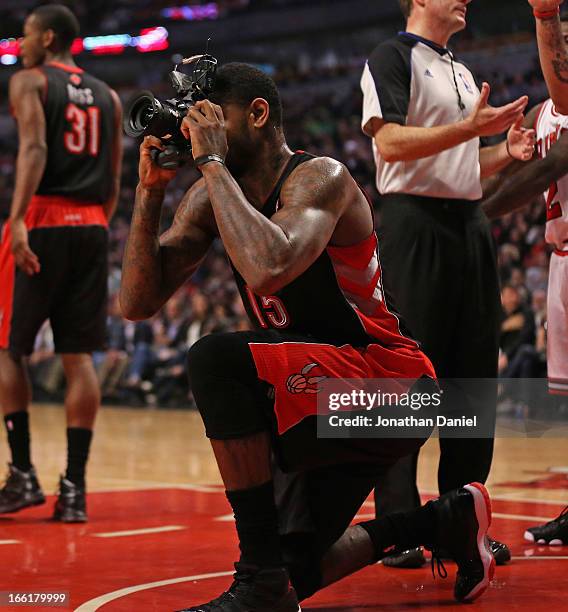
[301, 383]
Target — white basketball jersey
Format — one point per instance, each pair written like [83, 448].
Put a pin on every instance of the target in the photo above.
[549, 126]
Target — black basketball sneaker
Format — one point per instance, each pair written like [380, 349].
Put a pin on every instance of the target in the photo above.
[254, 590]
[553, 533]
[463, 518]
[20, 491]
[71, 506]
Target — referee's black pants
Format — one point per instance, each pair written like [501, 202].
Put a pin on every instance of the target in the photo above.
[440, 272]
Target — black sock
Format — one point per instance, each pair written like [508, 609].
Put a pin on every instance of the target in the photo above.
[257, 525]
[402, 529]
[18, 428]
[78, 443]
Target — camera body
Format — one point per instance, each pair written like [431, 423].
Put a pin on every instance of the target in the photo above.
[146, 115]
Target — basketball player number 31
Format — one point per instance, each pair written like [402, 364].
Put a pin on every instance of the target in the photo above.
[85, 129]
[268, 308]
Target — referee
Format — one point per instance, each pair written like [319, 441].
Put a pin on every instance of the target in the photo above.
[425, 115]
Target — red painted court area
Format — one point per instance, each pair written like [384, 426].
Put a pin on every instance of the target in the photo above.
[164, 549]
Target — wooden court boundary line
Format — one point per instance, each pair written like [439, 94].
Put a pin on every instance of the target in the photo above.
[142, 531]
[94, 604]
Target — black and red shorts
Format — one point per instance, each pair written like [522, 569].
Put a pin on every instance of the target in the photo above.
[70, 240]
[248, 382]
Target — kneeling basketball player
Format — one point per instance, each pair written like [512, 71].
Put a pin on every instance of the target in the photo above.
[300, 237]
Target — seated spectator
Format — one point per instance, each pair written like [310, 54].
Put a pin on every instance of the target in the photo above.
[517, 340]
[139, 345]
[111, 364]
[518, 356]
[200, 311]
[171, 331]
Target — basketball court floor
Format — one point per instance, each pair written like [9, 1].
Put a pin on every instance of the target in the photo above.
[161, 536]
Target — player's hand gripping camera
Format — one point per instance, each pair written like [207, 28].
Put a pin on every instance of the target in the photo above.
[145, 115]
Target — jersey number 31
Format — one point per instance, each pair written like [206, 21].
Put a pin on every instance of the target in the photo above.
[84, 135]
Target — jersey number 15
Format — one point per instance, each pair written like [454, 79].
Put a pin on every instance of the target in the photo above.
[84, 135]
[272, 307]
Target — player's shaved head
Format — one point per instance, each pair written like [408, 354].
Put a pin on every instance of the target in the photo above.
[253, 113]
[61, 20]
[240, 84]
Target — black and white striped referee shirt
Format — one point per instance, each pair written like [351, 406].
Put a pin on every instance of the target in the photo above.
[412, 81]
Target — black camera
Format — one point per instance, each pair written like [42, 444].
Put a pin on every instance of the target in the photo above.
[146, 115]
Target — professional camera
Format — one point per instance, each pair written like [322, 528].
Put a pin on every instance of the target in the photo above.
[145, 115]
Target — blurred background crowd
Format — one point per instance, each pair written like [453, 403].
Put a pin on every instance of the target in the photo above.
[316, 52]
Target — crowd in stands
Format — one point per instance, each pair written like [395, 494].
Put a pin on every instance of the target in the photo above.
[145, 361]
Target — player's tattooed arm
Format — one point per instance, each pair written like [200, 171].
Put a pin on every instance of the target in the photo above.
[553, 53]
[155, 266]
[531, 181]
[270, 253]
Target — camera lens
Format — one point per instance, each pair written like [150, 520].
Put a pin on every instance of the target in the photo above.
[145, 115]
[139, 113]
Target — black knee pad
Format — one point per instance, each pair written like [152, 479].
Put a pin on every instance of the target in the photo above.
[232, 401]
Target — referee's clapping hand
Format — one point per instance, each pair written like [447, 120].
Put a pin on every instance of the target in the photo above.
[487, 120]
